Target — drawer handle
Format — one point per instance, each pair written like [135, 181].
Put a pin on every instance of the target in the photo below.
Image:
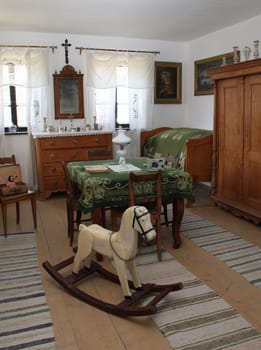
[75, 141]
[75, 154]
[52, 143]
[97, 140]
[53, 170]
[52, 156]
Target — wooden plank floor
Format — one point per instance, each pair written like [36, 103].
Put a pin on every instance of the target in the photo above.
[79, 326]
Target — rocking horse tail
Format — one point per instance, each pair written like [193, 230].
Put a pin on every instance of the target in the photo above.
[84, 250]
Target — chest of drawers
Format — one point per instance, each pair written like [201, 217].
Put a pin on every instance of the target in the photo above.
[51, 149]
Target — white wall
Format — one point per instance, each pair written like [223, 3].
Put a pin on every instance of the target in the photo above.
[172, 115]
[200, 108]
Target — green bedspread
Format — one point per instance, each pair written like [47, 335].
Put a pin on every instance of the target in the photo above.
[172, 143]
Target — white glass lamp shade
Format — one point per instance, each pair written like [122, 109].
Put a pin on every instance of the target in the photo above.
[121, 139]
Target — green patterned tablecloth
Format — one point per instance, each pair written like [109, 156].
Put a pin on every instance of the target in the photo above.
[110, 188]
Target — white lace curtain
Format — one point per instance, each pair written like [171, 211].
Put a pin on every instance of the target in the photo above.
[36, 82]
[101, 74]
[37, 92]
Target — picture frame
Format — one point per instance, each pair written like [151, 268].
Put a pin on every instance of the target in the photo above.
[68, 94]
[203, 84]
[167, 82]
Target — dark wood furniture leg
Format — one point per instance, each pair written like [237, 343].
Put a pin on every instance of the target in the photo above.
[177, 214]
[33, 205]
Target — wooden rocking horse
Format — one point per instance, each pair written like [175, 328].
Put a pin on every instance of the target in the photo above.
[120, 246]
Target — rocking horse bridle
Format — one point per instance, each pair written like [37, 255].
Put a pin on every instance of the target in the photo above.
[137, 217]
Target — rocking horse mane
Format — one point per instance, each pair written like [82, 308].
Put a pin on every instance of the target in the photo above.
[129, 216]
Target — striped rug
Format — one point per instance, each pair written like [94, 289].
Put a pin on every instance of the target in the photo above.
[196, 317]
[240, 255]
[25, 321]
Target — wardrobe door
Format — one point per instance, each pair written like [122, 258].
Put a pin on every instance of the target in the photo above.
[230, 109]
[252, 140]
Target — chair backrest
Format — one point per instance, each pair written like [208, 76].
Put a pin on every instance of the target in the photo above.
[8, 160]
[99, 154]
[145, 189]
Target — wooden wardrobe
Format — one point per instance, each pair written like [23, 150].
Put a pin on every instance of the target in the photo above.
[236, 175]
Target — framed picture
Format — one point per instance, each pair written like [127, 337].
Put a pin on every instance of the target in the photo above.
[203, 84]
[68, 94]
[167, 82]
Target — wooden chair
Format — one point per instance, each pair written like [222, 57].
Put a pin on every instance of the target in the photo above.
[152, 201]
[99, 154]
[5, 200]
[73, 207]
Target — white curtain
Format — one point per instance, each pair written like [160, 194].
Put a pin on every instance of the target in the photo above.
[102, 74]
[36, 83]
[141, 74]
[37, 63]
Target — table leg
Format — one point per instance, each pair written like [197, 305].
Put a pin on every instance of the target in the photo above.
[96, 216]
[177, 214]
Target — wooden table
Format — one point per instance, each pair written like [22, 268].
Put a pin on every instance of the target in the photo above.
[110, 189]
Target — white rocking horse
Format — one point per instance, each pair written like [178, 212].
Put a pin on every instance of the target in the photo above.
[120, 246]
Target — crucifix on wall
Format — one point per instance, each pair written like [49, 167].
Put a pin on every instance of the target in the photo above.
[66, 45]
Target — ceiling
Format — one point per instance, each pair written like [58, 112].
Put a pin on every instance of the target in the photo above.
[170, 20]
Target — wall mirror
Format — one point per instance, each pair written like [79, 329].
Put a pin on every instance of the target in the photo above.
[68, 94]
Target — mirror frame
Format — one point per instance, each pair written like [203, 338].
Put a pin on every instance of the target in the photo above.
[68, 94]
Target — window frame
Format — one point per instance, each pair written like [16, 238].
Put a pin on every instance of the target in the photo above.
[14, 128]
[120, 125]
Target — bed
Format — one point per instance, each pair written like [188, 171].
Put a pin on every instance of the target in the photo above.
[189, 149]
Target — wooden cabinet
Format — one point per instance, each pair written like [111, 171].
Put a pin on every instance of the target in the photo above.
[52, 149]
[236, 174]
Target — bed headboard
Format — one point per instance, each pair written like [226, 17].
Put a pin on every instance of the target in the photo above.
[146, 134]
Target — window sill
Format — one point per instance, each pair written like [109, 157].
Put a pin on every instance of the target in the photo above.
[18, 131]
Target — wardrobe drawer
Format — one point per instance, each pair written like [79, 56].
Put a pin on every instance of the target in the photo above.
[75, 141]
[54, 183]
[66, 155]
[52, 169]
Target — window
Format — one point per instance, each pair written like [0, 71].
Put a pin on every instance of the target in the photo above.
[24, 89]
[14, 98]
[122, 116]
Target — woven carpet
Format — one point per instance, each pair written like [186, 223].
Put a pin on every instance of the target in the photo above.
[240, 255]
[196, 317]
[25, 321]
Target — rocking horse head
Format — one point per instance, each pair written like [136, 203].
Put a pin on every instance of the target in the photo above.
[141, 222]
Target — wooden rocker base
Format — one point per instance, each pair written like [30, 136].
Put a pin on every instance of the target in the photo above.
[128, 307]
